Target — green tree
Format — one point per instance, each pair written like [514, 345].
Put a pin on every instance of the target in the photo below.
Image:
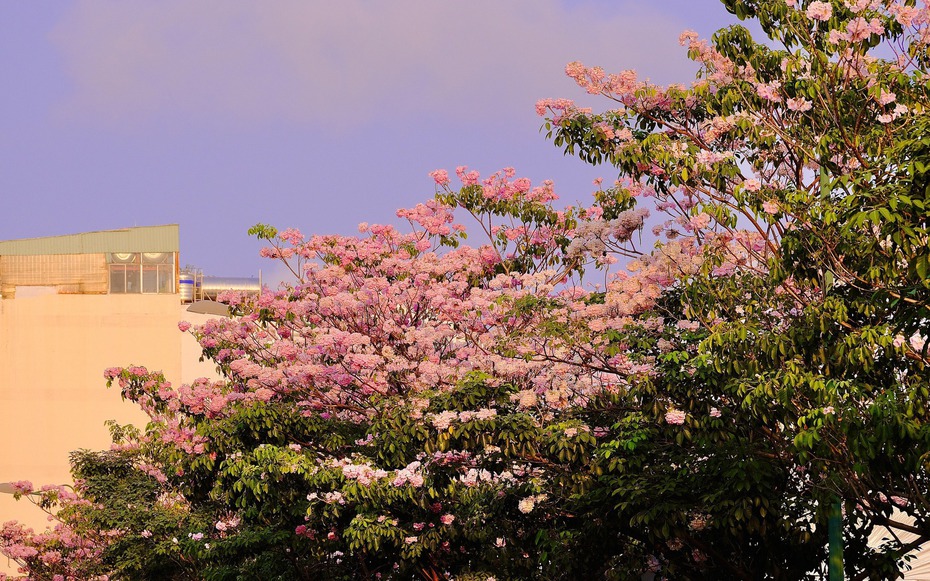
[799, 163]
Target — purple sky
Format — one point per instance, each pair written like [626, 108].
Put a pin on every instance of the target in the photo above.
[316, 115]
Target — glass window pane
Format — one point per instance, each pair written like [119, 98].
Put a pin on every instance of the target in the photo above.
[117, 278]
[149, 278]
[133, 279]
[166, 278]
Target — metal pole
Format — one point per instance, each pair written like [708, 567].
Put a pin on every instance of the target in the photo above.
[835, 530]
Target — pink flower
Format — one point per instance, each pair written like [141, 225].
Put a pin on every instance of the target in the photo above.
[263, 394]
[819, 11]
[886, 97]
[770, 207]
[857, 6]
[752, 185]
[769, 91]
[828, 410]
[292, 236]
[447, 519]
[860, 29]
[899, 501]
[675, 417]
[485, 414]
[469, 178]
[22, 486]
[184, 326]
[905, 15]
[440, 176]
[715, 413]
[410, 540]
[653, 564]
[526, 398]
[687, 37]
[700, 221]
[799, 105]
[836, 36]
[442, 420]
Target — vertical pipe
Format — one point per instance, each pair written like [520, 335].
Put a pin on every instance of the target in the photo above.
[835, 531]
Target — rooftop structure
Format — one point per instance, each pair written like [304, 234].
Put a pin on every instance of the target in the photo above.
[136, 239]
[126, 261]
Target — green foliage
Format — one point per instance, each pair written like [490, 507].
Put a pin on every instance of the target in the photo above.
[813, 290]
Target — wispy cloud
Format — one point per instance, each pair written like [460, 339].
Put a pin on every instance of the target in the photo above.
[342, 64]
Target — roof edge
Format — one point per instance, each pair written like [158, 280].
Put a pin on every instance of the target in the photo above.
[163, 238]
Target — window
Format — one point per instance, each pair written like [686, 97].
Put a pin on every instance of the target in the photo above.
[142, 272]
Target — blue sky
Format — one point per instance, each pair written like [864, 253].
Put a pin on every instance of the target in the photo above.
[316, 115]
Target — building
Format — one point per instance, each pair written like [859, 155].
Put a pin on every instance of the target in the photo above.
[70, 307]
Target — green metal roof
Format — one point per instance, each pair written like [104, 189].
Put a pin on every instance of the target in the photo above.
[138, 239]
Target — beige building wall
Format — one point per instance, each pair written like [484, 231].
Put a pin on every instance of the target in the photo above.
[54, 349]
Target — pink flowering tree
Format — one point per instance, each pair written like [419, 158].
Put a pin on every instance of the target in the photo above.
[395, 412]
[65, 551]
[414, 407]
[400, 409]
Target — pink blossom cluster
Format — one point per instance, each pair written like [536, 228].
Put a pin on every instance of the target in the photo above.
[596, 238]
[675, 417]
[799, 104]
[364, 474]
[857, 30]
[560, 109]
[433, 216]
[503, 186]
[228, 524]
[410, 474]
[720, 69]
[59, 552]
[819, 11]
